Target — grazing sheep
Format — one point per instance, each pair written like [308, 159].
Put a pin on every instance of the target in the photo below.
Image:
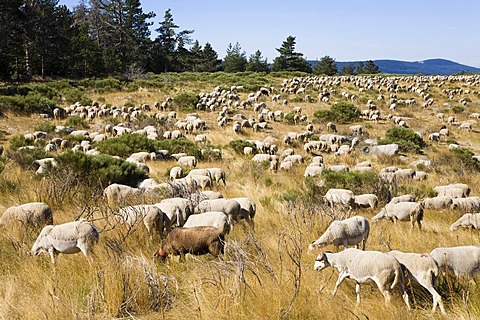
[185, 205]
[449, 190]
[463, 261]
[70, 237]
[362, 266]
[33, 214]
[342, 197]
[230, 207]
[213, 218]
[248, 209]
[403, 211]
[437, 203]
[173, 214]
[423, 269]
[346, 232]
[469, 204]
[187, 161]
[196, 240]
[403, 198]
[151, 216]
[313, 171]
[366, 200]
[468, 220]
[176, 173]
[119, 193]
[217, 175]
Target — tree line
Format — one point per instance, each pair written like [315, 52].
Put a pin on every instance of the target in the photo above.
[41, 38]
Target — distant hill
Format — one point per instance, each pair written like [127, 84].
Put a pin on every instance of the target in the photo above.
[426, 67]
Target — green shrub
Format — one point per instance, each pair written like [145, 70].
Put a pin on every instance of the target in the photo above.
[340, 113]
[238, 145]
[129, 104]
[458, 109]
[19, 141]
[186, 101]
[29, 104]
[46, 127]
[358, 182]
[289, 118]
[76, 122]
[25, 157]
[465, 161]
[72, 95]
[124, 145]
[407, 139]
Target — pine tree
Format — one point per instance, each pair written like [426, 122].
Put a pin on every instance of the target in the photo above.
[235, 60]
[11, 39]
[348, 69]
[371, 68]
[257, 63]
[167, 41]
[360, 68]
[289, 60]
[325, 66]
[209, 59]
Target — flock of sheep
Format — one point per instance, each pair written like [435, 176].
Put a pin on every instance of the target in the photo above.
[190, 216]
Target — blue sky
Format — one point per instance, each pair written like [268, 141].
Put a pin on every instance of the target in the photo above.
[346, 30]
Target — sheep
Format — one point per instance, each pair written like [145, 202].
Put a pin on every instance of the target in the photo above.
[403, 198]
[331, 127]
[362, 266]
[173, 214]
[200, 180]
[119, 193]
[366, 200]
[230, 207]
[466, 204]
[342, 197]
[437, 203]
[176, 173]
[217, 174]
[449, 190]
[313, 171]
[151, 216]
[463, 261]
[248, 209]
[187, 161]
[70, 237]
[196, 240]
[468, 220]
[403, 211]
[216, 219]
[346, 232]
[423, 269]
[185, 205]
[33, 214]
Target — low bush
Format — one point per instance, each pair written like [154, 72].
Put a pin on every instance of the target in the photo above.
[358, 182]
[25, 157]
[186, 101]
[339, 113]
[406, 138]
[238, 145]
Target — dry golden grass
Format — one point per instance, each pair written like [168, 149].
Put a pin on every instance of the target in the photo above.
[266, 273]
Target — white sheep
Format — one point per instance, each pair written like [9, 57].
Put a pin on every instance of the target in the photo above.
[437, 203]
[187, 161]
[366, 200]
[346, 232]
[70, 237]
[32, 214]
[363, 266]
[463, 261]
[151, 216]
[403, 198]
[216, 219]
[468, 220]
[342, 197]
[403, 211]
[423, 269]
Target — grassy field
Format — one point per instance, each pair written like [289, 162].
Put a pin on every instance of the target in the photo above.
[266, 273]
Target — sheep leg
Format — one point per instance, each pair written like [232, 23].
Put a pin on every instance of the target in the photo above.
[357, 291]
[341, 276]
[52, 253]
[437, 299]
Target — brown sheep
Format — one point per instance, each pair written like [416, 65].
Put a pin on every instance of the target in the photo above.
[195, 240]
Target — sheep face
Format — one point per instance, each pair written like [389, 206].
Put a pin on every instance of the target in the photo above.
[379, 216]
[162, 255]
[321, 262]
